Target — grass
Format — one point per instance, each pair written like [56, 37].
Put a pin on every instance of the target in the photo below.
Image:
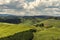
[42, 33]
[49, 34]
[10, 29]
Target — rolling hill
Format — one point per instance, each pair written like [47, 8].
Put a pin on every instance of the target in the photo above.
[30, 28]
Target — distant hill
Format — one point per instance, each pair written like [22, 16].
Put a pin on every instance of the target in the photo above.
[9, 18]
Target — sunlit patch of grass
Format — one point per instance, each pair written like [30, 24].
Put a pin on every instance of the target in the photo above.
[10, 29]
[50, 34]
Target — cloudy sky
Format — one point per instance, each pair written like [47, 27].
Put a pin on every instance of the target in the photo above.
[30, 7]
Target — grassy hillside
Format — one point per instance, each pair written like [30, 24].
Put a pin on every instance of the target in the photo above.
[50, 34]
[30, 28]
[24, 35]
[47, 32]
[7, 29]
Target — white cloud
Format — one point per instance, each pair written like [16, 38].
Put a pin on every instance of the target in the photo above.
[4, 1]
[31, 5]
[36, 7]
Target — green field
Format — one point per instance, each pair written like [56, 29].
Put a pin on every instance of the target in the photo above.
[31, 29]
